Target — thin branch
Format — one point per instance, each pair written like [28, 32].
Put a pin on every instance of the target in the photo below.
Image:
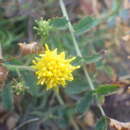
[26, 122]
[64, 11]
[60, 100]
[15, 67]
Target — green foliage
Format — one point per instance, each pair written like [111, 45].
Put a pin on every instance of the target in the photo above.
[78, 95]
[6, 38]
[76, 87]
[7, 97]
[19, 88]
[85, 24]
[9, 34]
[43, 28]
[101, 124]
[85, 102]
[106, 89]
[30, 82]
[89, 59]
[59, 23]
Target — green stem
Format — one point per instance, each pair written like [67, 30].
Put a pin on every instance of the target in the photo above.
[64, 11]
[62, 103]
[74, 124]
[59, 99]
[15, 67]
[70, 27]
[26, 122]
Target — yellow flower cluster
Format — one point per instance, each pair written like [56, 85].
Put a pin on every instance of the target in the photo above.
[53, 69]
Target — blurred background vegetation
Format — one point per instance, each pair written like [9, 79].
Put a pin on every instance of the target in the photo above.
[103, 33]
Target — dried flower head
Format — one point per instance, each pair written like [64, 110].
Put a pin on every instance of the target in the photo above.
[31, 48]
[53, 69]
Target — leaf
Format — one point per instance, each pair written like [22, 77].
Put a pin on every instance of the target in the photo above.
[85, 102]
[85, 25]
[106, 89]
[101, 124]
[59, 23]
[88, 59]
[93, 59]
[6, 38]
[30, 82]
[7, 97]
[76, 87]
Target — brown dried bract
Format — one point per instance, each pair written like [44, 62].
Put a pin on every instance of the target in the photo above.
[117, 125]
[31, 48]
[3, 74]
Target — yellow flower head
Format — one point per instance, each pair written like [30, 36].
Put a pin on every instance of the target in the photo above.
[53, 69]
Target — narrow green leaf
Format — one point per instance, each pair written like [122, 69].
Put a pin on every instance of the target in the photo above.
[88, 59]
[85, 102]
[92, 59]
[59, 23]
[7, 97]
[85, 25]
[101, 124]
[76, 87]
[106, 89]
[79, 61]
[6, 38]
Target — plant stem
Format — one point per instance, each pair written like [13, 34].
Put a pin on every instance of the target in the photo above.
[74, 124]
[59, 99]
[62, 103]
[64, 11]
[26, 122]
[70, 27]
[15, 67]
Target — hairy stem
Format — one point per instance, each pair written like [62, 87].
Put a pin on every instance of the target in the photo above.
[64, 11]
[26, 122]
[15, 67]
[62, 103]
[60, 100]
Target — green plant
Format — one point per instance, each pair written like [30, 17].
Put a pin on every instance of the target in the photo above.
[47, 106]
